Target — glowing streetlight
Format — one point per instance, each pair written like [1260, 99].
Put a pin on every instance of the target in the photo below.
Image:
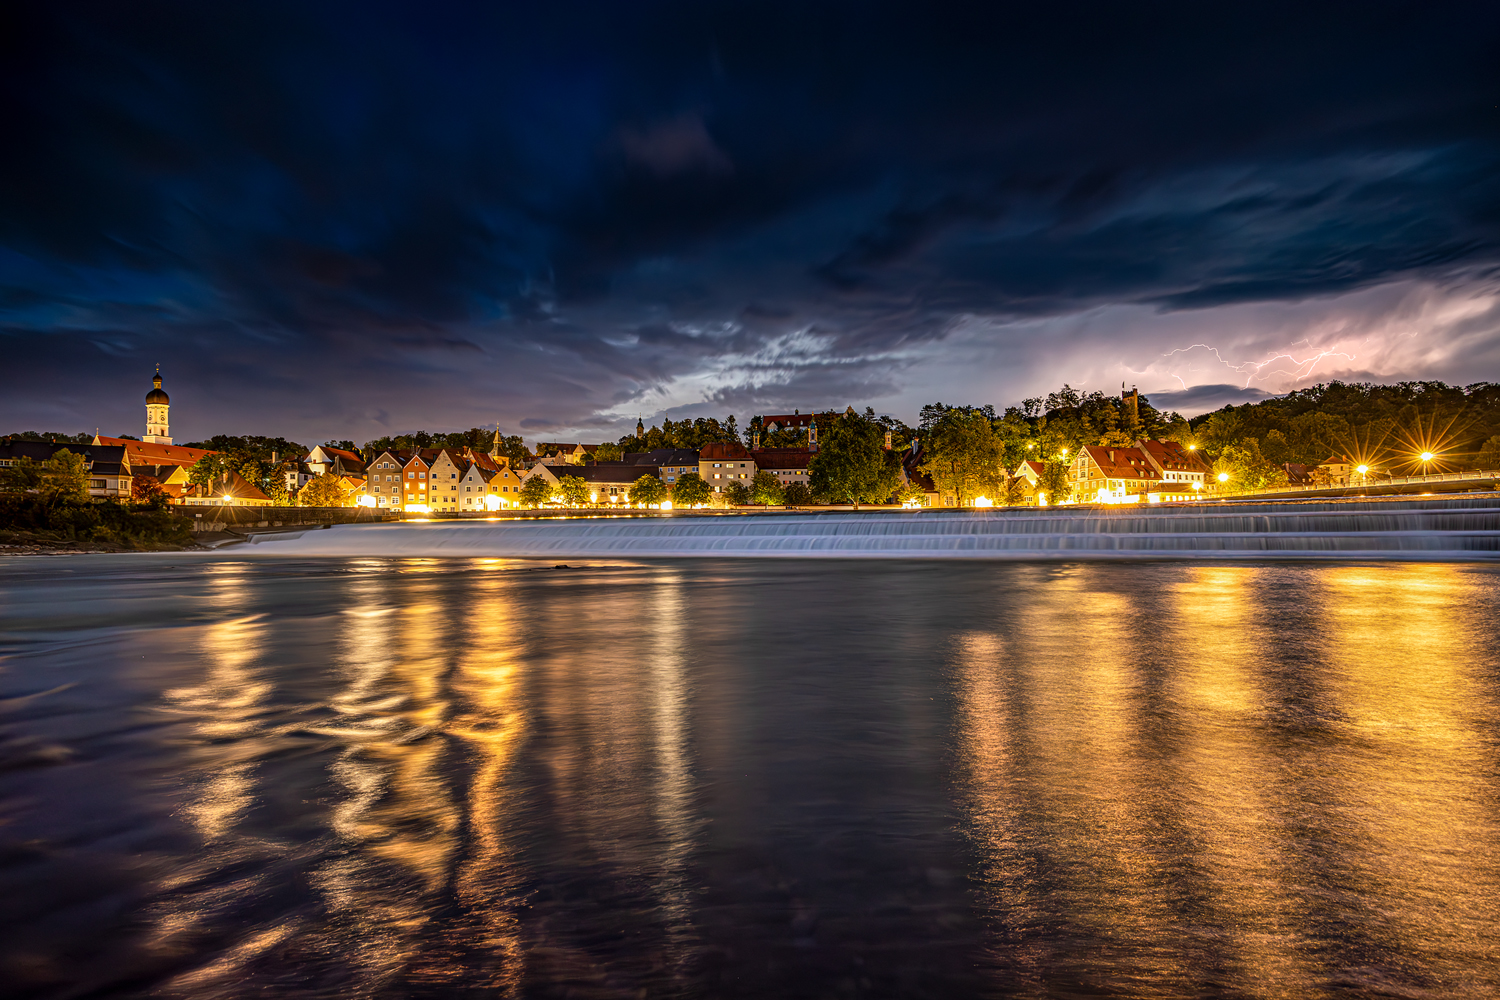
[983, 502]
[1192, 447]
[1223, 477]
[1362, 469]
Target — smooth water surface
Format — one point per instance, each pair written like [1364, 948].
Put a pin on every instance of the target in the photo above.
[223, 777]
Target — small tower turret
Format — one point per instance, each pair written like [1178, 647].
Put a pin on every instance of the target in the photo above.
[158, 430]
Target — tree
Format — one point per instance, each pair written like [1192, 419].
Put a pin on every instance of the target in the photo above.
[910, 493]
[207, 469]
[691, 491]
[1489, 455]
[22, 476]
[575, 492]
[1014, 493]
[964, 454]
[536, 491]
[648, 490]
[737, 494]
[326, 490]
[766, 489]
[148, 490]
[1053, 481]
[65, 478]
[797, 495]
[607, 452]
[852, 463]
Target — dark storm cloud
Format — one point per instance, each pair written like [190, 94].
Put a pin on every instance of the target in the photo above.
[339, 216]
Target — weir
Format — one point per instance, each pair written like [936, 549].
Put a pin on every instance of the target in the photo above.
[1465, 528]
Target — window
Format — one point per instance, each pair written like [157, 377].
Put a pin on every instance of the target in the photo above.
[97, 484]
[411, 475]
[421, 475]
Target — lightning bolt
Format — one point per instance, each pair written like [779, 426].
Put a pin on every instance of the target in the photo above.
[1302, 368]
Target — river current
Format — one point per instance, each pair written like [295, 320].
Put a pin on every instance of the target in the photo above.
[228, 776]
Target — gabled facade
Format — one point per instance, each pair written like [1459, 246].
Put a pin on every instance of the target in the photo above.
[323, 459]
[385, 477]
[1150, 470]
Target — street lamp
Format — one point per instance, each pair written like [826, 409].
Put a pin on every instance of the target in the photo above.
[1223, 477]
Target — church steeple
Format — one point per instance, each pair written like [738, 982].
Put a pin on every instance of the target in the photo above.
[158, 430]
[640, 427]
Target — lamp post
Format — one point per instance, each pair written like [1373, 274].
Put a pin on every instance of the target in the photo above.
[1223, 478]
[1426, 457]
[1364, 477]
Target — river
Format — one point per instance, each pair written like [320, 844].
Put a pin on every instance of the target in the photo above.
[228, 776]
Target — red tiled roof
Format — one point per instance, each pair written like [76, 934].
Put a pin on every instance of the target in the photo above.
[782, 458]
[1121, 463]
[1173, 455]
[721, 450]
[148, 453]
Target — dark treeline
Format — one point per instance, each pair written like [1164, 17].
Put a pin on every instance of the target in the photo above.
[1387, 427]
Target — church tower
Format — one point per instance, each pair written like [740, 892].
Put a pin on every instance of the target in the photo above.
[157, 404]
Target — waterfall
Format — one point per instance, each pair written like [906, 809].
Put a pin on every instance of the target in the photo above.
[1414, 528]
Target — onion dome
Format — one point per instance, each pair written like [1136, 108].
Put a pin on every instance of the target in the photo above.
[156, 395]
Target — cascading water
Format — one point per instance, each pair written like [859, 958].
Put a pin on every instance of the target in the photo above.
[1458, 528]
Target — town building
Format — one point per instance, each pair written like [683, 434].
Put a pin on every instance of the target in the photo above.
[788, 465]
[724, 462]
[609, 482]
[671, 463]
[230, 489]
[110, 473]
[1149, 470]
[441, 480]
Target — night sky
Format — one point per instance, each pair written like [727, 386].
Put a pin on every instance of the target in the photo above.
[347, 220]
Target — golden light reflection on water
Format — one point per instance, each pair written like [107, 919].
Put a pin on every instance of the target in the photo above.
[1190, 760]
[492, 721]
[1404, 682]
[398, 821]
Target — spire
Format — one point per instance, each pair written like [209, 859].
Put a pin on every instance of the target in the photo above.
[640, 426]
[156, 379]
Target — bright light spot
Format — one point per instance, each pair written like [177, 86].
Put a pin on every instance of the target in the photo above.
[367, 501]
[492, 502]
[416, 508]
[1065, 453]
[1197, 486]
[1041, 499]
[1427, 456]
[1362, 469]
[983, 502]
[1223, 477]
[666, 505]
[1192, 447]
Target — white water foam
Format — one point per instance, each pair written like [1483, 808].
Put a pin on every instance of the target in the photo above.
[1466, 528]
